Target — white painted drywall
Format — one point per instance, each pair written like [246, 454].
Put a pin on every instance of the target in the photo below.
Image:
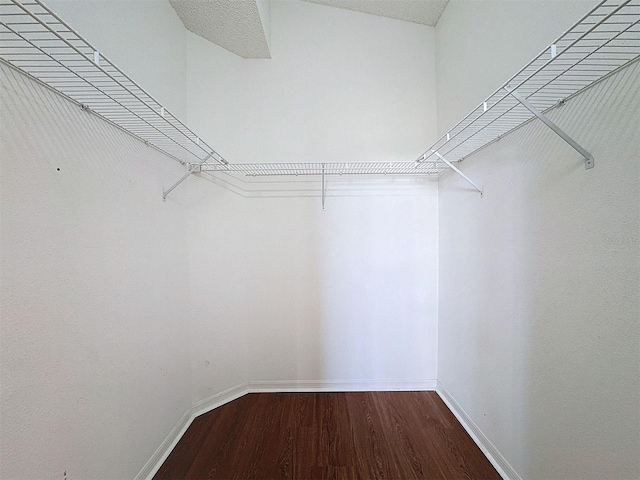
[423, 12]
[144, 38]
[539, 323]
[119, 311]
[264, 9]
[481, 44]
[93, 292]
[340, 86]
[346, 294]
[218, 240]
[117, 319]
[349, 293]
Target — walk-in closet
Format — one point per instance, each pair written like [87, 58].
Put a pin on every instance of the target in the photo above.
[319, 239]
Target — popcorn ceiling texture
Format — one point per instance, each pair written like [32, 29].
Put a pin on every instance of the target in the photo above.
[232, 24]
[426, 12]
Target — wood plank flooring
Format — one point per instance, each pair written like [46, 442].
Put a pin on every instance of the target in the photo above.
[355, 435]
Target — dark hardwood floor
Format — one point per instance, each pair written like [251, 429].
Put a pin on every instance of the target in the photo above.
[356, 435]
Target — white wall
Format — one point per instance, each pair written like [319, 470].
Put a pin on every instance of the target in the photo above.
[538, 326]
[264, 9]
[116, 319]
[141, 308]
[218, 238]
[144, 38]
[346, 294]
[340, 86]
[93, 292]
[481, 44]
[95, 347]
[539, 283]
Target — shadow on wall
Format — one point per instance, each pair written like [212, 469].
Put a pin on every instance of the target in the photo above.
[94, 356]
[311, 186]
[539, 285]
[582, 380]
[346, 294]
[378, 272]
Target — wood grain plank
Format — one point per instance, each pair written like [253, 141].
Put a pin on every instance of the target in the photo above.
[355, 435]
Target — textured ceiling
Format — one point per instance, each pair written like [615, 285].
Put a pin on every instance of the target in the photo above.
[235, 25]
[242, 26]
[426, 12]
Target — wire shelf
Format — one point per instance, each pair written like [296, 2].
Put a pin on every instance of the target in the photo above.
[327, 169]
[36, 41]
[41, 45]
[603, 41]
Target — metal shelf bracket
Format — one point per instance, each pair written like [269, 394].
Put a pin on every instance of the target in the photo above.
[39, 44]
[457, 170]
[588, 158]
[191, 169]
[324, 187]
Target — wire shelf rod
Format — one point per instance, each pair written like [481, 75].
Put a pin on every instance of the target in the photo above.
[41, 45]
[200, 145]
[330, 169]
[64, 50]
[590, 58]
[79, 104]
[465, 140]
[94, 86]
[587, 56]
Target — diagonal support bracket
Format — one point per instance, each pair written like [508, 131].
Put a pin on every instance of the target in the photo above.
[457, 170]
[588, 158]
[183, 178]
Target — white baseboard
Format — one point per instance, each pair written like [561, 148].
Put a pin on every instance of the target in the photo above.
[215, 401]
[500, 463]
[165, 448]
[219, 399]
[341, 386]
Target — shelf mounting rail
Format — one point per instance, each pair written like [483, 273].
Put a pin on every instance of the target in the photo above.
[37, 42]
[42, 46]
[602, 42]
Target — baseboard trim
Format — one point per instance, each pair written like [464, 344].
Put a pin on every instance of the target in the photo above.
[341, 386]
[165, 448]
[219, 399]
[215, 401]
[500, 463]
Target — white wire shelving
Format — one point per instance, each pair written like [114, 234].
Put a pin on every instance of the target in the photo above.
[605, 40]
[327, 169]
[37, 42]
